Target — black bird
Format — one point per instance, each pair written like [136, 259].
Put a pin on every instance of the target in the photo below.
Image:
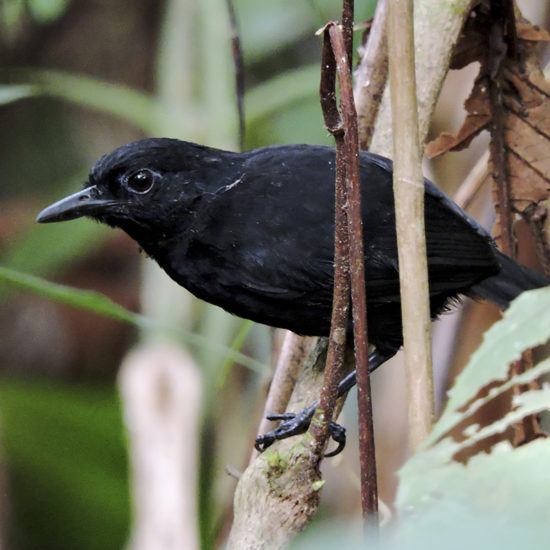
[253, 233]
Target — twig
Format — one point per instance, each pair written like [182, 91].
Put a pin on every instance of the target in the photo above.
[371, 75]
[340, 300]
[409, 210]
[350, 159]
[472, 183]
[349, 221]
[239, 68]
[371, 78]
[347, 29]
[496, 56]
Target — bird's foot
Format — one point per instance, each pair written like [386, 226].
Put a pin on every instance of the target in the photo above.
[298, 423]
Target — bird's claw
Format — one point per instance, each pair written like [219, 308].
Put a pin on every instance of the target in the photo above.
[338, 434]
[292, 424]
[295, 424]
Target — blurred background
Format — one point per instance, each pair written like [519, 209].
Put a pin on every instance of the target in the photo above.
[77, 79]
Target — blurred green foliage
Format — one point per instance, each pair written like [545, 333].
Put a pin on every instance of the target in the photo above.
[13, 12]
[65, 448]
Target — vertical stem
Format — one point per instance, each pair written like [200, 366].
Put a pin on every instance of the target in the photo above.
[340, 296]
[238, 62]
[347, 29]
[496, 56]
[502, 45]
[349, 158]
[409, 207]
[349, 258]
[371, 75]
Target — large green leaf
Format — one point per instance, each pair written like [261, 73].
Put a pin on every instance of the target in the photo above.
[525, 324]
[498, 499]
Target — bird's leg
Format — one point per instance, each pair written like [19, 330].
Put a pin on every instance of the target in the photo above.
[298, 423]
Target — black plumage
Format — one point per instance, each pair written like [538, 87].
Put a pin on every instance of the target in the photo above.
[253, 232]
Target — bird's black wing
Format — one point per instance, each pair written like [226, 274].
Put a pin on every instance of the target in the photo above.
[272, 228]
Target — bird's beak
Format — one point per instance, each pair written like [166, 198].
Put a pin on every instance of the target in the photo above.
[84, 203]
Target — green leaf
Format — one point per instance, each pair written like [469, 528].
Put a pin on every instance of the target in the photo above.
[13, 92]
[86, 299]
[525, 324]
[498, 499]
[117, 100]
[99, 303]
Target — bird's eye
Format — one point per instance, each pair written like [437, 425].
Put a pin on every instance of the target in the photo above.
[141, 181]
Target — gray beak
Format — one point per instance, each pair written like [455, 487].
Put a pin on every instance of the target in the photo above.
[84, 203]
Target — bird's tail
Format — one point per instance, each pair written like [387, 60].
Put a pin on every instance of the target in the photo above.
[510, 282]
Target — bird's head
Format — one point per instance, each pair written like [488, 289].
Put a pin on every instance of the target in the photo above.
[148, 188]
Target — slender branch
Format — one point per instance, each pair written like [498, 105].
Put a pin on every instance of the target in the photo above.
[371, 75]
[496, 55]
[472, 183]
[409, 209]
[239, 69]
[369, 488]
[371, 78]
[347, 29]
[340, 298]
[348, 233]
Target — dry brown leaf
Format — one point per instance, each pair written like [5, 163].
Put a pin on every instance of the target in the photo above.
[515, 107]
[533, 33]
[478, 116]
[527, 134]
[525, 96]
[472, 43]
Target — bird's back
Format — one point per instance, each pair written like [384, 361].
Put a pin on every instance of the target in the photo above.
[263, 243]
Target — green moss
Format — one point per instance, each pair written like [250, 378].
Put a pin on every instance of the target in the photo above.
[318, 485]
